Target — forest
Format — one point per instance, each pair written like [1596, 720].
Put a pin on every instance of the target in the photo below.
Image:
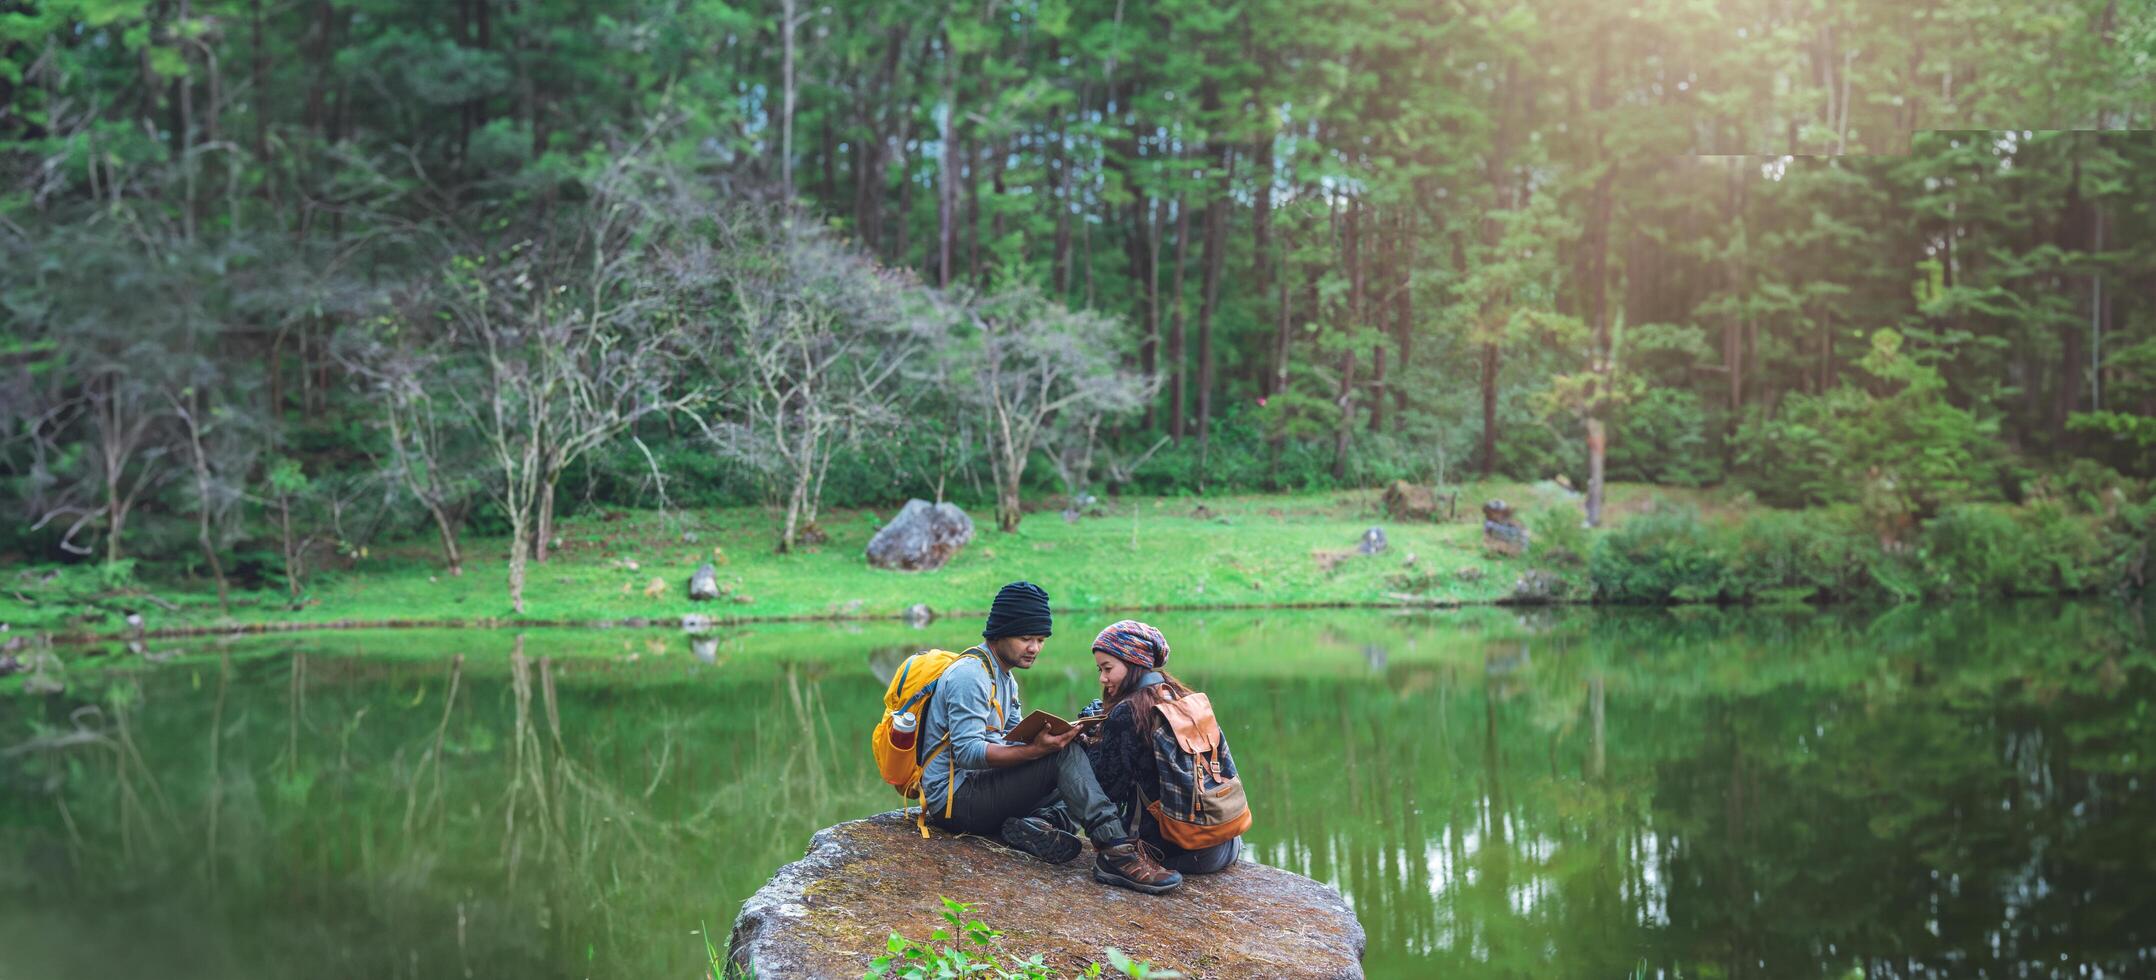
[284, 278]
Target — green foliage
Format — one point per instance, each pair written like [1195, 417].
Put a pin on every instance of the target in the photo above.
[1664, 555]
[1559, 534]
[965, 952]
[1906, 451]
[1661, 437]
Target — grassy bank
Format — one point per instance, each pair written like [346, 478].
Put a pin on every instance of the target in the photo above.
[1659, 545]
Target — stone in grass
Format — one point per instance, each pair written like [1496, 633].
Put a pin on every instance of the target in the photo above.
[921, 538]
[655, 588]
[704, 585]
[1469, 573]
[828, 914]
[1373, 541]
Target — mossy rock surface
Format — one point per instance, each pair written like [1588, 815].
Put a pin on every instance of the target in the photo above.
[828, 915]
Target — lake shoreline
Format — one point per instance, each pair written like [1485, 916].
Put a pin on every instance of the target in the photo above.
[627, 569]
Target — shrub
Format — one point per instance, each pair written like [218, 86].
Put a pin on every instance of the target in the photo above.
[1972, 550]
[1560, 535]
[1779, 555]
[1664, 555]
[1836, 446]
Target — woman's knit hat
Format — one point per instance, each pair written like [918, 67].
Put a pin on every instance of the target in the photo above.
[1135, 643]
[1021, 609]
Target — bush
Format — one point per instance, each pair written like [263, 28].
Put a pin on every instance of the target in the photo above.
[1849, 443]
[1664, 555]
[1986, 550]
[1560, 535]
[1788, 556]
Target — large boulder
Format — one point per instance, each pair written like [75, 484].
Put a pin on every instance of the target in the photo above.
[829, 914]
[921, 538]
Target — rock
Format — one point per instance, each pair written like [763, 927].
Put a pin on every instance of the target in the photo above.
[688, 537]
[697, 622]
[630, 564]
[921, 538]
[744, 600]
[812, 535]
[1373, 541]
[704, 585]
[655, 588]
[1405, 501]
[1469, 573]
[1502, 532]
[1536, 586]
[134, 622]
[1070, 515]
[827, 915]
[919, 615]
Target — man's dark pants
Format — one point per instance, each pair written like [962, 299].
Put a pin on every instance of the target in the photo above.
[987, 797]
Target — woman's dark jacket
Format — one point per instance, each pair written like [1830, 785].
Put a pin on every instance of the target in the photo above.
[1123, 762]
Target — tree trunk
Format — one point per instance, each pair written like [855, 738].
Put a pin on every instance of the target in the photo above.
[947, 191]
[1489, 408]
[1403, 322]
[519, 555]
[1177, 398]
[542, 542]
[1377, 307]
[1213, 262]
[291, 555]
[786, 103]
[450, 552]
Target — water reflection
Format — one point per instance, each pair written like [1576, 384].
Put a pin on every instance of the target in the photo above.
[1921, 793]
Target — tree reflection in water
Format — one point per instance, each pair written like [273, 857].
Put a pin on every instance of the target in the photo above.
[1942, 792]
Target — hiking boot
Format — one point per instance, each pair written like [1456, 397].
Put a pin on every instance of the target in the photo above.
[1041, 839]
[1127, 864]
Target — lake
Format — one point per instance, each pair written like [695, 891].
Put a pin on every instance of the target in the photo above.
[1913, 792]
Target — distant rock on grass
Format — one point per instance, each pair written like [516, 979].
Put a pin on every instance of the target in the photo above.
[921, 538]
[704, 585]
[828, 914]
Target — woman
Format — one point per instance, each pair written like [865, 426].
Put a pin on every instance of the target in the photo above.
[1133, 659]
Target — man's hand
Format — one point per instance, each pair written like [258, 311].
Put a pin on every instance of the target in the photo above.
[1043, 745]
[1049, 744]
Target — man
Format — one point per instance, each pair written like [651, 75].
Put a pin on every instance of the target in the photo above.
[991, 787]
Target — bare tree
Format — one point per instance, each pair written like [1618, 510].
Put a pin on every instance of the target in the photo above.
[818, 334]
[568, 341]
[1037, 365]
[436, 460]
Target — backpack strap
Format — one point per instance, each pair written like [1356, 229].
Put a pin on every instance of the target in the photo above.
[950, 785]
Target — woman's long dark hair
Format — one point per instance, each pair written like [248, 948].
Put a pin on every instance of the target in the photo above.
[1143, 699]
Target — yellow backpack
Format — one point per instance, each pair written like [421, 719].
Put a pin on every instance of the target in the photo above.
[910, 690]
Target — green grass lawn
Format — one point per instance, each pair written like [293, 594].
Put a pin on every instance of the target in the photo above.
[1135, 553]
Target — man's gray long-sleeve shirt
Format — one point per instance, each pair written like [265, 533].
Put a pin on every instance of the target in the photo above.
[964, 708]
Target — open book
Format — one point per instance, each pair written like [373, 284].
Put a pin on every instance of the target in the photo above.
[1035, 722]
